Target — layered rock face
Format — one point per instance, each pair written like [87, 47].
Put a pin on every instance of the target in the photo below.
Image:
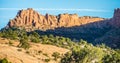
[30, 19]
[116, 18]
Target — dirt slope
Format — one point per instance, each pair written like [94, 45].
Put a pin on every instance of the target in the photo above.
[38, 53]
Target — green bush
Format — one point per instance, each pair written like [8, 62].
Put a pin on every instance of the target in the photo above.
[34, 37]
[56, 55]
[0, 34]
[4, 61]
[90, 54]
[83, 56]
[24, 44]
[51, 36]
[35, 40]
[47, 60]
[9, 33]
[10, 43]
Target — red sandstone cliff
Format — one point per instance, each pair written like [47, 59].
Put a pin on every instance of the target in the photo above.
[30, 19]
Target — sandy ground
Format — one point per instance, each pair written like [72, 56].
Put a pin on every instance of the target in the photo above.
[37, 53]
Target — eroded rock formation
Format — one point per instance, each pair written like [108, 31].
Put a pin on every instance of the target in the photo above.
[30, 19]
[116, 18]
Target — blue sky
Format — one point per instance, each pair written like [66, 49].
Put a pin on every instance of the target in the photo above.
[101, 8]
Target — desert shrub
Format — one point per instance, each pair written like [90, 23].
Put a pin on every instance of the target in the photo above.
[45, 54]
[44, 38]
[57, 41]
[27, 52]
[24, 44]
[56, 55]
[111, 58]
[4, 61]
[39, 51]
[19, 49]
[34, 37]
[91, 54]
[24, 40]
[9, 33]
[10, 42]
[86, 54]
[0, 34]
[35, 40]
[47, 60]
[51, 36]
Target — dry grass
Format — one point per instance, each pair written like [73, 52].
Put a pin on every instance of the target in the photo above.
[38, 53]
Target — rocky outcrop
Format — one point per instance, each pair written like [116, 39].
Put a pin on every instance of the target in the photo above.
[30, 19]
[116, 18]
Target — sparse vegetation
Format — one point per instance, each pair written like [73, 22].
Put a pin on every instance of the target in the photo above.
[81, 51]
[87, 53]
[111, 58]
[56, 55]
[11, 33]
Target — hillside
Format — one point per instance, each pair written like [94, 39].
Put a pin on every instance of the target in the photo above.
[93, 29]
[81, 52]
[17, 45]
[38, 53]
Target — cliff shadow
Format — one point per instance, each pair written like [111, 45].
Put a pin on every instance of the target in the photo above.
[88, 32]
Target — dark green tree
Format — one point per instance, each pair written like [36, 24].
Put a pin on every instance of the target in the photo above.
[34, 37]
[24, 43]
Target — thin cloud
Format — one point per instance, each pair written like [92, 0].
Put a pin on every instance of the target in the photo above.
[10, 8]
[62, 9]
[59, 9]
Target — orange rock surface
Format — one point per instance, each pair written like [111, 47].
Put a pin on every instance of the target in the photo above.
[30, 19]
